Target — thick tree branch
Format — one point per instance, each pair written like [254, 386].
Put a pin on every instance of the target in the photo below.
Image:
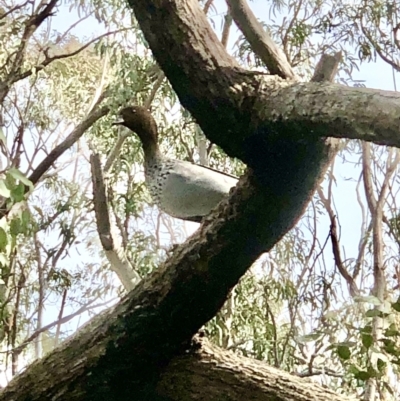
[261, 43]
[229, 377]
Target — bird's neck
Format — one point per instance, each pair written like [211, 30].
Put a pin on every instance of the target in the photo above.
[152, 156]
[151, 150]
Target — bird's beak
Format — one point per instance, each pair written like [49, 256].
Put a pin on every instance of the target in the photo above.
[118, 121]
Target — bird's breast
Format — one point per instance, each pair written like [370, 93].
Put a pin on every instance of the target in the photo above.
[156, 176]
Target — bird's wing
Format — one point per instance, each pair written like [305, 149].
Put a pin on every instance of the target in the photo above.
[191, 191]
[216, 171]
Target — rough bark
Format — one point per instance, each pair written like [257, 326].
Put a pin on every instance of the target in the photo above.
[212, 374]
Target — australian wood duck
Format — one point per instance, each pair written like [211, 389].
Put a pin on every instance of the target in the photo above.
[181, 189]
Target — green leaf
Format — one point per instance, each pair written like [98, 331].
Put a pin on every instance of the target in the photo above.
[331, 315]
[367, 340]
[353, 369]
[2, 136]
[362, 375]
[18, 192]
[4, 191]
[25, 219]
[19, 176]
[391, 331]
[10, 181]
[373, 313]
[372, 372]
[369, 299]
[390, 347]
[366, 329]
[343, 352]
[15, 227]
[3, 239]
[309, 337]
[381, 365]
[396, 306]
[3, 260]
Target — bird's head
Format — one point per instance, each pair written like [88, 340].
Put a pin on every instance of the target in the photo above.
[139, 120]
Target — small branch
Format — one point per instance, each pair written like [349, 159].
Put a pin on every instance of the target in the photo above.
[155, 88]
[260, 42]
[115, 151]
[327, 67]
[79, 130]
[336, 247]
[207, 6]
[317, 372]
[367, 177]
[60, 316]
[114, 253]
[48, 60]
[100, 203]
[226, 29]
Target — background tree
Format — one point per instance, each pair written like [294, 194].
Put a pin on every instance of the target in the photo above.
[295, 309]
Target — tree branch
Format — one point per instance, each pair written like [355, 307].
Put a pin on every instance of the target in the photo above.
[114, 253]
[228, 377]
[261, 43]
[79, 130]
[326, 68]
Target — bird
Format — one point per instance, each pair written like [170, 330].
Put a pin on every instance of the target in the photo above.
[182, 189]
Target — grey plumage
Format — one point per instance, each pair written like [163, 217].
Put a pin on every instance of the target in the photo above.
[181, 189]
